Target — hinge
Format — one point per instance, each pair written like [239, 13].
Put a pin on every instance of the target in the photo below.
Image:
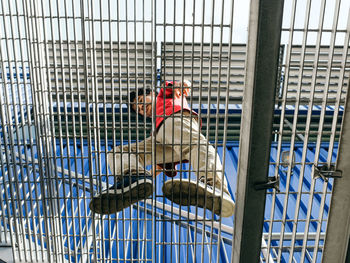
[326, 172]
[272, 182]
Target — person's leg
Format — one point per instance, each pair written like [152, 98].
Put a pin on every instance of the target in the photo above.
[189, 142]
[134, 183]
[129, 158]
[136, 157]
[206, 167]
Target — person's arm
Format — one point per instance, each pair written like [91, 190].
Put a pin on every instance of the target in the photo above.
[168, 91]
[175, 90]
[186, 89]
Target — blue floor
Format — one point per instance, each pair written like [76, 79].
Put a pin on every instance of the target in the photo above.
[139, 232]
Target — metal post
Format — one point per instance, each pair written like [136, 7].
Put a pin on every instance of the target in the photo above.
[338, 229]
[258, 105]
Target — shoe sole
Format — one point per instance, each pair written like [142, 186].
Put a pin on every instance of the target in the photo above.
[112, 202]
[187, 193]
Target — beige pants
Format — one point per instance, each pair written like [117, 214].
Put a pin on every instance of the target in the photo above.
[177, 139]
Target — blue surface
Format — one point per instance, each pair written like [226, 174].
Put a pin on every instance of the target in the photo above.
[147, 233]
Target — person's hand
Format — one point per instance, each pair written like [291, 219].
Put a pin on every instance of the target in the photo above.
[186, 89]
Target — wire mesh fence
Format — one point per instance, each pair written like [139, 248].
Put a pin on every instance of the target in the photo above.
[315, 83]
[67, 69]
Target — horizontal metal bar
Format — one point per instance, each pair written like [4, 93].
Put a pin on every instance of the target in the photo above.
[289, 235]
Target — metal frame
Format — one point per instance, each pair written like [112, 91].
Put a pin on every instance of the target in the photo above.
[265, 21]
[61, 116]
[336, 248]
[313, 75]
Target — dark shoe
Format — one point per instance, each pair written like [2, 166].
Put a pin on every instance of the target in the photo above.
[188, 192]
[124, 193]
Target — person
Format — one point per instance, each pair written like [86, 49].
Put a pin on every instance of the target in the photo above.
[178, 139]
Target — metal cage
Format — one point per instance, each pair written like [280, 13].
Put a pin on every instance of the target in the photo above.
[272, 102]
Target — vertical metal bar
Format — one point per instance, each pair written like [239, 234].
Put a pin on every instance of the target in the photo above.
[70, 67]
[4, 203]
[121, 121]
[129, 118]
[283, 111]
[131, 228]
[41, 122]
[72, 101]
[340, 89]
[182, 117]
[138, 153]
[81, 140]
[142, 242]
[96, 118]
[67, 136]
[263, 48]
[332, 139]
[98, 146]
[121, 124]
[208, 124]
[294, 127]
[144, 82]
[212, 26]
[87, 110]
[106, 130]
[27, 107]
[228, 90]
[52, 195]
[226, 113]
[338, 231]
[55, 182]
[10, 102]
[66, 199]
[320, 127]
[92, 108]
[211, 48]
[334, 127]
[173, 78]
[196, 169]
[12, 226]
[154, 83]
[111, 58]
[47, 135]
[163, 86]
[15, 105]
[308, 121]
[5, 160]
[334, 248]
[3, 84]
[35, 84]
[181, 111]
[189, 237]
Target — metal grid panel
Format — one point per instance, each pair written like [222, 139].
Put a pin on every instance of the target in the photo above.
[207, 65]
[314, 85]
[21, 192]
[316, 69]
[78, 84]
[53, 147]
[114, 59]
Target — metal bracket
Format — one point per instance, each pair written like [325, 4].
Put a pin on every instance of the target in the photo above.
[326, 172]
[285, 159]
[272, 182]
